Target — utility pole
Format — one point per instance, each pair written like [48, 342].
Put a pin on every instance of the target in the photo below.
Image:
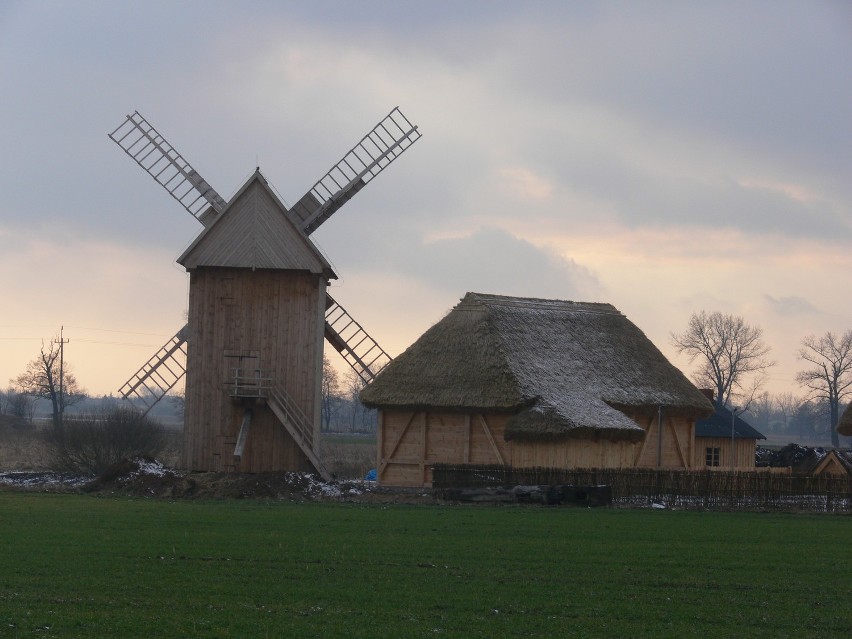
[62, 342]
[733, 430]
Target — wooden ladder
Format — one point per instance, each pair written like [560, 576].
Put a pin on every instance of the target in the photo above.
[298, 426]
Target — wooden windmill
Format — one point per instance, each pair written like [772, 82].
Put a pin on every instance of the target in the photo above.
[252, 349]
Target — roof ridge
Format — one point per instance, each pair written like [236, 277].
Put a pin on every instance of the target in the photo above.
[488, 299]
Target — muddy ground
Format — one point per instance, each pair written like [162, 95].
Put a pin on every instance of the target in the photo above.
[150, 479]
[25, 466]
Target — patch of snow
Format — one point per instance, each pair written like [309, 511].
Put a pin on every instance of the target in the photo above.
[25, 479]
[151, 468]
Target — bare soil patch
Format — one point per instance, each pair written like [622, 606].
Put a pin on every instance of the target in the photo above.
[145, 478]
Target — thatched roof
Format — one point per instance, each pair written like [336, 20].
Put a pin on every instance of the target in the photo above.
[844, 426]
[564, 369]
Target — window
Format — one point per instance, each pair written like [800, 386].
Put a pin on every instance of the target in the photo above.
[711, 456]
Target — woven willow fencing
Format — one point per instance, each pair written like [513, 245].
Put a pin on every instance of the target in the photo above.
[709, 490]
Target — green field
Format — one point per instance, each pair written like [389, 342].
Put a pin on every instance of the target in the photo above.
[75, 566]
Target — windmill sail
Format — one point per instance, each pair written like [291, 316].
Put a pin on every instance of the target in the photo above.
[159, 374]
[349, 338]
[376, 150]
[161, 161]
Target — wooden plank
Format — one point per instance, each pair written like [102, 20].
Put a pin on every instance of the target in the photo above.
[678, 447]
[490, 438]
[380, 440]
[424, 445]
[644, 442]
[384, 460]
[242, 436]
[466, 452]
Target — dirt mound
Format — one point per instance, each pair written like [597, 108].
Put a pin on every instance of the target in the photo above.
[149, 478]
[800, 458]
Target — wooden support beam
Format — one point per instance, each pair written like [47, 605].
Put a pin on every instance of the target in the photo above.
[424, 433]
[466, 456]
[385, 460]
[644, 442]
[677, 444]
[380, 441]
[491, 439]
[242, 437]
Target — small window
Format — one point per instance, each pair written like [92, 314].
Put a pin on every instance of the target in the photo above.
[711, 456]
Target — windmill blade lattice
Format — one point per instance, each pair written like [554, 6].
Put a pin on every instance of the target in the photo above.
[159, 374]
[354, 344]
[372, 155]
[161, 161]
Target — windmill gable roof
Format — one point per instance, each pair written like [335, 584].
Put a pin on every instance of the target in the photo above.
[564, 368]
[255, 231]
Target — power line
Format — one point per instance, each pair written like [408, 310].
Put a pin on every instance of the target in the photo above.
[112, 330]
[95, 341]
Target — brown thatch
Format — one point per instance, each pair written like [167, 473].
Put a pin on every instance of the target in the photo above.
[563, 368]
[844, 426]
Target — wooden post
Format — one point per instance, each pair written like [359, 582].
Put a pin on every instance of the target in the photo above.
[466, 456]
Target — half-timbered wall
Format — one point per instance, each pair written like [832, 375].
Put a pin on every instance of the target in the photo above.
[672, 446]
[410, 442]
[264, 320]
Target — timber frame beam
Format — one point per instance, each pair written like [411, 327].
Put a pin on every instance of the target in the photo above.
[491, 441]
[387, 460]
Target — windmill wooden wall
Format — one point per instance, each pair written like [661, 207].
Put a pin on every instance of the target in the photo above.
[256, 303]
[252, 320]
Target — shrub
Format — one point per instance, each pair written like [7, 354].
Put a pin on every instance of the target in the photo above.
[93, 443]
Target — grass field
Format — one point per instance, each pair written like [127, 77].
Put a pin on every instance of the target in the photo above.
[74, 566]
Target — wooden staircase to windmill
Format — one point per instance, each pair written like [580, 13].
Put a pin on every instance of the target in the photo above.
[246, 329]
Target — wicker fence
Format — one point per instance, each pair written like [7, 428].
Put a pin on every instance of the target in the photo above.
[710, 490]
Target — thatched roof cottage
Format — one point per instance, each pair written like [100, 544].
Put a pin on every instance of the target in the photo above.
[532, 382]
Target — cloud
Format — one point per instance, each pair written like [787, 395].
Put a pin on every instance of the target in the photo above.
[675, 155]
[790, 305]
[491, 260]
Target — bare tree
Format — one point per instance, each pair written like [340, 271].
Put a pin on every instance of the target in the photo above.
[17, 404]
[729, 351]
[787, 404]
[42, 380]
[361, 419]
[330, 392]
[762, 410]
[830, 376]
[7, 397]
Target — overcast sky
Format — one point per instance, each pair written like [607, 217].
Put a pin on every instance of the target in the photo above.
[665, 157]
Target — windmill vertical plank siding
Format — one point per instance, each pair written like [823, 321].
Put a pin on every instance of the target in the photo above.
[273, 316]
